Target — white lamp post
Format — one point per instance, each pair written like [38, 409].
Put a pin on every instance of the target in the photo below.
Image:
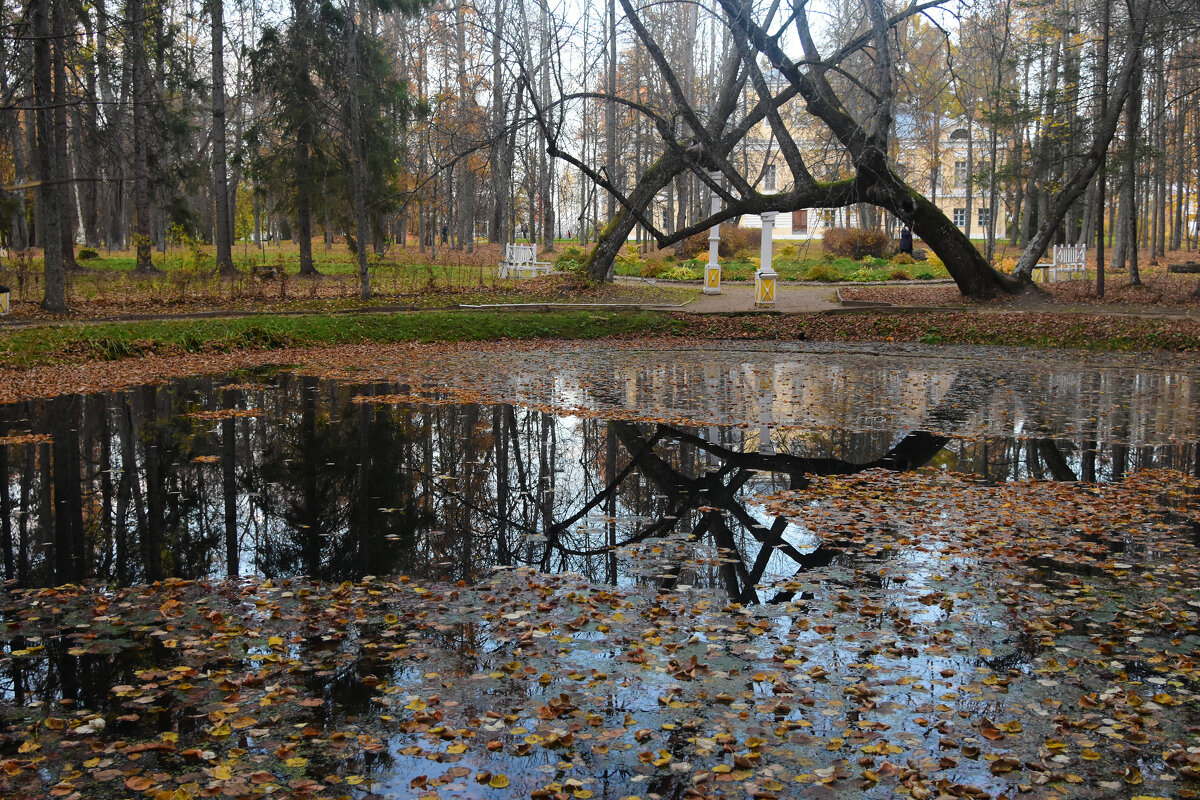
[765, 275]
[712, 270]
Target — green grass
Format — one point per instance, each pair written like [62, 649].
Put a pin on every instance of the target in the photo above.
[110, 341]
[795, 269]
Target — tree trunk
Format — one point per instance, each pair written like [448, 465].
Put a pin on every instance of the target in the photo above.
[49, 215]
[66, 193]
[362, 226]
[223, 227]
[304, 97]
[141, 135]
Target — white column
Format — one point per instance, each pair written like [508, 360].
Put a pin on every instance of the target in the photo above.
[712, 270]
[768, 232]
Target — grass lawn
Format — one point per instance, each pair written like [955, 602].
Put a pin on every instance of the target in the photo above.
[794, 261]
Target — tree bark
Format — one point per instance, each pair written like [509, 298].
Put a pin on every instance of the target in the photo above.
[223, 229]
[49, 215]
[141, 135]
[304, 98]
[362, 227]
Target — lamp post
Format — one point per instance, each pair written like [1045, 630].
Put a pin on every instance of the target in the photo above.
[765, 275]
[712, 270]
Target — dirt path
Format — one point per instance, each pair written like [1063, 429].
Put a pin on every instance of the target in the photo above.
[789, 300]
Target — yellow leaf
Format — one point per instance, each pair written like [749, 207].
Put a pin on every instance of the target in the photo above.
[296, 761]
[835, 743]
[498, 782]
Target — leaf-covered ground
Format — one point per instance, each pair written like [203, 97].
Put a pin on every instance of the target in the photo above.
[949, 638]
[44, 362]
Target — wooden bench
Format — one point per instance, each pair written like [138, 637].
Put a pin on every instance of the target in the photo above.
[520, 261]
[1065, 260]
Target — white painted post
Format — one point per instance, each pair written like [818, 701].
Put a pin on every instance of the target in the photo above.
[765, 276]
[712, 270]
[766, 394]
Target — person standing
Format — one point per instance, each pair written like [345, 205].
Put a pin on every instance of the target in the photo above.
[906, 240]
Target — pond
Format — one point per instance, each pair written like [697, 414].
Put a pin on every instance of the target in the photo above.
[281, 474]
[624, 567]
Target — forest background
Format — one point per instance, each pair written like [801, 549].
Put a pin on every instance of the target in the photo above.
[389, 125]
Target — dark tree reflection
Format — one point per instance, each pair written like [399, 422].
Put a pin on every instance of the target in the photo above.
[290, 475]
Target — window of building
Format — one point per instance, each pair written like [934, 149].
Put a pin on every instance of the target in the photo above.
[960, 217]
[960, 173]
[984, 216]
[769, 179]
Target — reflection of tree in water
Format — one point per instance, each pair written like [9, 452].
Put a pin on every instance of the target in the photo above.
[343, 491]
[125, 487]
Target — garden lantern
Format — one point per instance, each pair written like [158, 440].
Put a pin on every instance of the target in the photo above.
[712, 270]
[764, 276]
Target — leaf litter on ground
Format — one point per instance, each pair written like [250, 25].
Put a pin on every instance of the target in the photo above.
[966, 639]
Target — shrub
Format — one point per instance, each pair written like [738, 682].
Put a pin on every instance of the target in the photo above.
[571, 252]
[745, 254]
[788, 251]
[933, 261]
[825, 273]
[566, 265]
[652, 269]
[733, 239]
[903, 258]
[681, 273]
[87, 254]
[924, 275]
[855, 242]
[897, 275]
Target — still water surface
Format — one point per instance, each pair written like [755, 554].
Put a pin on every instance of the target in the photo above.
[561, 457]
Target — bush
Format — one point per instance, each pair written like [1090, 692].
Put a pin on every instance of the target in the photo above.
[682, 273]
[652, 269]
[924, 275]
[571, 252]
[825, 273]
[733, 239]
[567, 265]
[903, 258]
[855, 242]
[87, 254]
[897, 275]
[745, 254]
[788, 251]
